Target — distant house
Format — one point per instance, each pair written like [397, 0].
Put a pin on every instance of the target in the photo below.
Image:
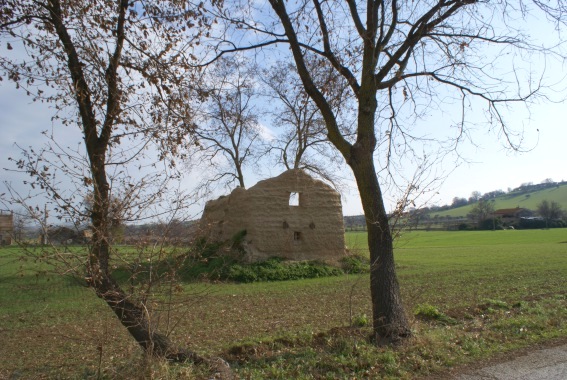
[293, 216]
[511, 215]
[6, 227]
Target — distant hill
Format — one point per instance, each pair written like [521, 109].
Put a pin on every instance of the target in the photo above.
[525, 198]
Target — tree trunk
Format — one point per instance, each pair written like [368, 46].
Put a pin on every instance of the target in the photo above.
[133, 315]
[239, 173]
[135, 318]
[389, 319]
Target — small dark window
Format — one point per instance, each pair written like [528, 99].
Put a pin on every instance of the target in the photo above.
[312, 225]
[296, 236]
[285, 225]
[294, 199]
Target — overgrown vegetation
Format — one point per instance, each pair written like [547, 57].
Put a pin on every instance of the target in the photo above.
[276, 269]
[227, 262]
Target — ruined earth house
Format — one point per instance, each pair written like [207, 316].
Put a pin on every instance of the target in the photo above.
[6, 227]
[292, 216]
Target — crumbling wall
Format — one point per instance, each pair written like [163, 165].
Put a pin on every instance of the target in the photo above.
[311, 230]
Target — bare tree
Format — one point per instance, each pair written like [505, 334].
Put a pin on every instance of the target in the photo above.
[401, 61]
[475, 196]
[482, 211]
[549, 211]
[302, 142]
[115, 69]
[228, 135]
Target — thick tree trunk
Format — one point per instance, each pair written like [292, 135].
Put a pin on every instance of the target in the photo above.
[389, 319]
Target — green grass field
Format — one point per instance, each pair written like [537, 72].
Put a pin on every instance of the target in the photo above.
[529, 201]
[477, 294]
[502, 264]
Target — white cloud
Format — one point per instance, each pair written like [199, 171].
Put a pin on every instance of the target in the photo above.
[266, 133]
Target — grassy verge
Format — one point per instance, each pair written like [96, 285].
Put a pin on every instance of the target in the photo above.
[470, 295]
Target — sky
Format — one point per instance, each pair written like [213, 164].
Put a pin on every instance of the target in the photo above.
[484, 166]
[493, 166]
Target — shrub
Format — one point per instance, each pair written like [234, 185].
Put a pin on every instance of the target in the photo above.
[276, 269]
[240, 273]
[531, 223]
[360, 320]
[224, 261]
[355, 264]
[491, 224]
[557, 224]
[463, 226]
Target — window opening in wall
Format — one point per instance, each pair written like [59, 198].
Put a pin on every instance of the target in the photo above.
[294, 199]
[296, 236]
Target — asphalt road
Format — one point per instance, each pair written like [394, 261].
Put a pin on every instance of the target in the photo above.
[544, 364]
